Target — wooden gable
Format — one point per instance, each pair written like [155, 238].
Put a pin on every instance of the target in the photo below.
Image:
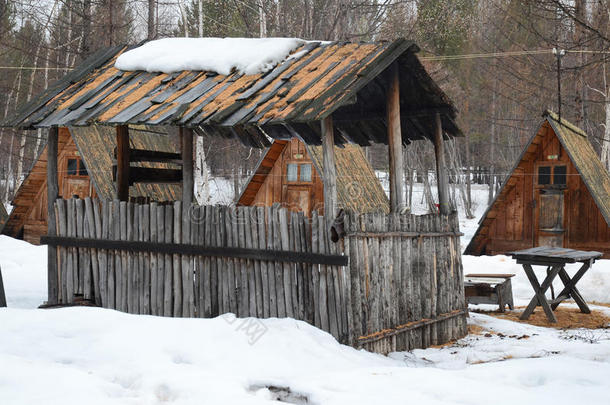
[358, 189]
[521, 215]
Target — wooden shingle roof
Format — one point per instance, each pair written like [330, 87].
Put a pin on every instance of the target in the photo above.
[345, 79]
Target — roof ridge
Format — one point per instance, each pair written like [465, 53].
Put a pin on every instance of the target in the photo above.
[565, 123]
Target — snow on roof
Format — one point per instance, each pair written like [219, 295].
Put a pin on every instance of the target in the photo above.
[220, 55]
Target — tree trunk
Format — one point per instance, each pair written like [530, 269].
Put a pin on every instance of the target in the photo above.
[202, 184]
[200, 19]
[605, 155]
[152, 29]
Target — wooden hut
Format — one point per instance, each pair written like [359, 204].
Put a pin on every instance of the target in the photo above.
[290, 173]
[85, 162]
[253, 261]
[558, 194]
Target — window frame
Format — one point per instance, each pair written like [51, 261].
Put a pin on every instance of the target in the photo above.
[80, 165]
[551, 183]
[299, 164]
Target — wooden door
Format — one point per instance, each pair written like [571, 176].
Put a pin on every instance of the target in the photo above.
[298, 198]
[551, 220]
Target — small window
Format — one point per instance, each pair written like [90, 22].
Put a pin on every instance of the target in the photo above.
[544, 175]
[292, 172]
[72, 167]
[305, 172]
[82, 170]
[560, 175]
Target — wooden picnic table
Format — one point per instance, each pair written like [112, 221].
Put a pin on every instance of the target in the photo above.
[555, 259]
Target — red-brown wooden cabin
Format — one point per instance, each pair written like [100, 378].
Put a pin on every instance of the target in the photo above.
[558, 194]
[84, 165]
[289, 174]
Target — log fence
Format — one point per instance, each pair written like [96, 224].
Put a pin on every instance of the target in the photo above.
[392, 282]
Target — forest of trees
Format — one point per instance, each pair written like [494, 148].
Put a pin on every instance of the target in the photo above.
[493, 57]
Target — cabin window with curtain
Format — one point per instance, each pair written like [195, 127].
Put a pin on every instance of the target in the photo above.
[299, 172]
[305, 169]
[292, 172]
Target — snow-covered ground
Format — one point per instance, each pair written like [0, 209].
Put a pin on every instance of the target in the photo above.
[92, 355]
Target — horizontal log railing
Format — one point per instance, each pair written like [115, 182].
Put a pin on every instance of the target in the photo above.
[208, 251]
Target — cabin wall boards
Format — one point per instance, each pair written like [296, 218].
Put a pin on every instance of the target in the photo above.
[289, 174]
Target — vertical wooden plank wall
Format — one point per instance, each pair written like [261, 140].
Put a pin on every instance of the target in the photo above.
[404, 271]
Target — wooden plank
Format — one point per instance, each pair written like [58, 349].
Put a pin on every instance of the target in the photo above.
[210, 275]
[52, 195]
[441, 170]
[286, 271]
[168, 290]
[176, 261]
[253, 293]
[161, 235]
[278, 267]
[133, 228]
[91, 227]
[154, 267]
[63, 268]
[147, 259]
[233, 265]
[395, 140]
[326, 315]
[244, 285]
[81, 269]
[315, 271]
[186, 137]
[264, 272]
[329, 174]
[223, 264]
[72, 276]
[122, 178]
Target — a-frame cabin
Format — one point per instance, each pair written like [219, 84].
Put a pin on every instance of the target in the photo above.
[85, 161]
[558, 194]
[289, 173]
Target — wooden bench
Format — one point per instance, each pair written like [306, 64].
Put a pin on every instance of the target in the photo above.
[489, 289]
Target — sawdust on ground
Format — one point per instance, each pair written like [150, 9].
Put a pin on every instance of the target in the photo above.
[567, 318]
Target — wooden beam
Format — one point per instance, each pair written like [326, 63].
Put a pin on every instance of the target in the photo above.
[186, 137]
[395, 141]
[151, 175]
[122, 176]
[329, 177]
[52, 195]
[441, 171]
[351, 116]
[144, 155]
[188, 249]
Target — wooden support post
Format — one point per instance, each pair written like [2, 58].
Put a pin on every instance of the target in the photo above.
[441, 171]
[395, 141]
[52, 195]
[330, 170]
[186, 137]
[122, 161]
